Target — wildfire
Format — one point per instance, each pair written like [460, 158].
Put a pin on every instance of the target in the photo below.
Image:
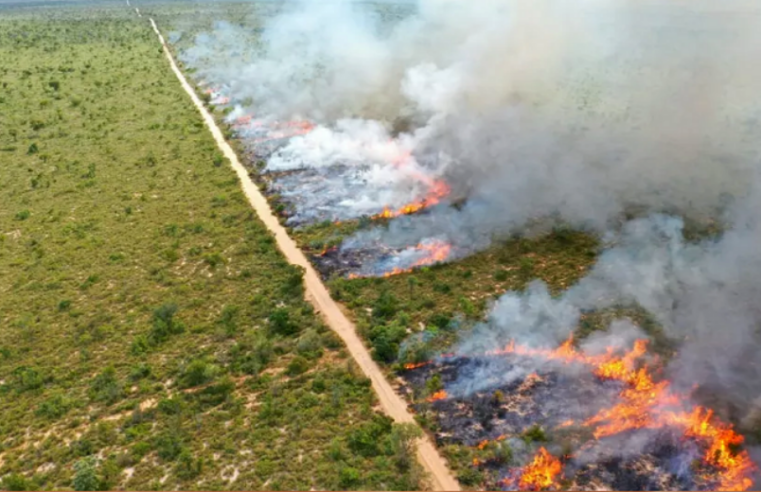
[415, 365]
[434, 252]
[644, 403]
[439, 395]
[437, 191]
[541, 473]
[287, 129]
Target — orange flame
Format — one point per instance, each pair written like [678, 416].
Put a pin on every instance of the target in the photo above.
[415, 365]
[541, 473]
[438, 190]
[287, 129]
[646, 403]
[439, 395]
[436, 252]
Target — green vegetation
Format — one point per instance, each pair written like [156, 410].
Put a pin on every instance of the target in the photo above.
[153, 337]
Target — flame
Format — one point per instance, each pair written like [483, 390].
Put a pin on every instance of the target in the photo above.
[327, 250]
[439, 395]
[644, 403]
[287, 129]
[435, 252]
[415, 365]
[438, 189]
[541, 473]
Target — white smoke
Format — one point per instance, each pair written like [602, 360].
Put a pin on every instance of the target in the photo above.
[581, 111]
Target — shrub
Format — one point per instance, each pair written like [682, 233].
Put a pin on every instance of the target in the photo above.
[164, 325]
[440, 320]
[170, 406]
[187, 467]
[105, 387]
[469, 476]
[348, 477]
[281, 324]
[15, 482]
[310, 345]
[227, 320]
[534, 434]
[298, 365]
[500, 275]
[85, 476]
[198, 372]
[27, 379]
[33, 149]
[140, 371]
[365, 440]
[169, 445]
[54, 407]
[385, 306]
[218, 159]
[434, 384]
[22, 215]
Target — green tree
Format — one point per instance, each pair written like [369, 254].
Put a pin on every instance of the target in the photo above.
[85, 475]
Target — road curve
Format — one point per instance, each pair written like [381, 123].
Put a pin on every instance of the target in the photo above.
[439, 476]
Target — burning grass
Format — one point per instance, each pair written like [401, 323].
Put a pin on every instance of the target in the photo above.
[628, 428]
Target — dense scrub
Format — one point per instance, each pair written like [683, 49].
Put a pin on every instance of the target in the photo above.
[152, 335]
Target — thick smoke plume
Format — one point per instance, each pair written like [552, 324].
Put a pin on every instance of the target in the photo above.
[585, 112]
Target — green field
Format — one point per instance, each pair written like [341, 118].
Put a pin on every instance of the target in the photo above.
[152, 335]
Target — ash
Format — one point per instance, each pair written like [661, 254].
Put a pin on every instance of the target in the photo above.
[643, 459]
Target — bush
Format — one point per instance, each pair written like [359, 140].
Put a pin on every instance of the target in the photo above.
[140, 371]
[227, 320]
[23, 215]
[105, 387]
[164, 325]
[348, 477]
[385, 306]
[440, 320]
[27, 379]
[534, 434]
[33, 149]
[187, 467]
[216, 394]
[54, 407]
[85, 476]
[170, 406]
[196, 373]
[298, 365]
[365, 440]
[500, 275]
[15, 482]
[469, 477]
[293, 286]
[169, 445]
[281, 324]
[250, 357]
[310, 345]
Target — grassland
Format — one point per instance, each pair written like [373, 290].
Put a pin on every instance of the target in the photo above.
[152, 336]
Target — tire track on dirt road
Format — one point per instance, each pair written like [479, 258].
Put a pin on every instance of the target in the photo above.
[439, 474]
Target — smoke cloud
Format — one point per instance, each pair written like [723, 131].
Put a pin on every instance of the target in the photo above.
[584, 112]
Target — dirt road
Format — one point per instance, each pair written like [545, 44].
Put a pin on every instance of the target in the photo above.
[439, 475]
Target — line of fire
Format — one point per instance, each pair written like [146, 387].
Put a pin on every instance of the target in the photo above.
[563, 419]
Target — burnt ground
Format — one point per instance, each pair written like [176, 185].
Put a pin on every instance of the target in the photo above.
[532, 409]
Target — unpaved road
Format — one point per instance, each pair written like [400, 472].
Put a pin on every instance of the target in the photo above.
[439, 475]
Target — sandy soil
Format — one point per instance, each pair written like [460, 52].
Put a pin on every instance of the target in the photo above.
[440, 477]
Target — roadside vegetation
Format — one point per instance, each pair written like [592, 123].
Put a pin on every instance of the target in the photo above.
[152, 335]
